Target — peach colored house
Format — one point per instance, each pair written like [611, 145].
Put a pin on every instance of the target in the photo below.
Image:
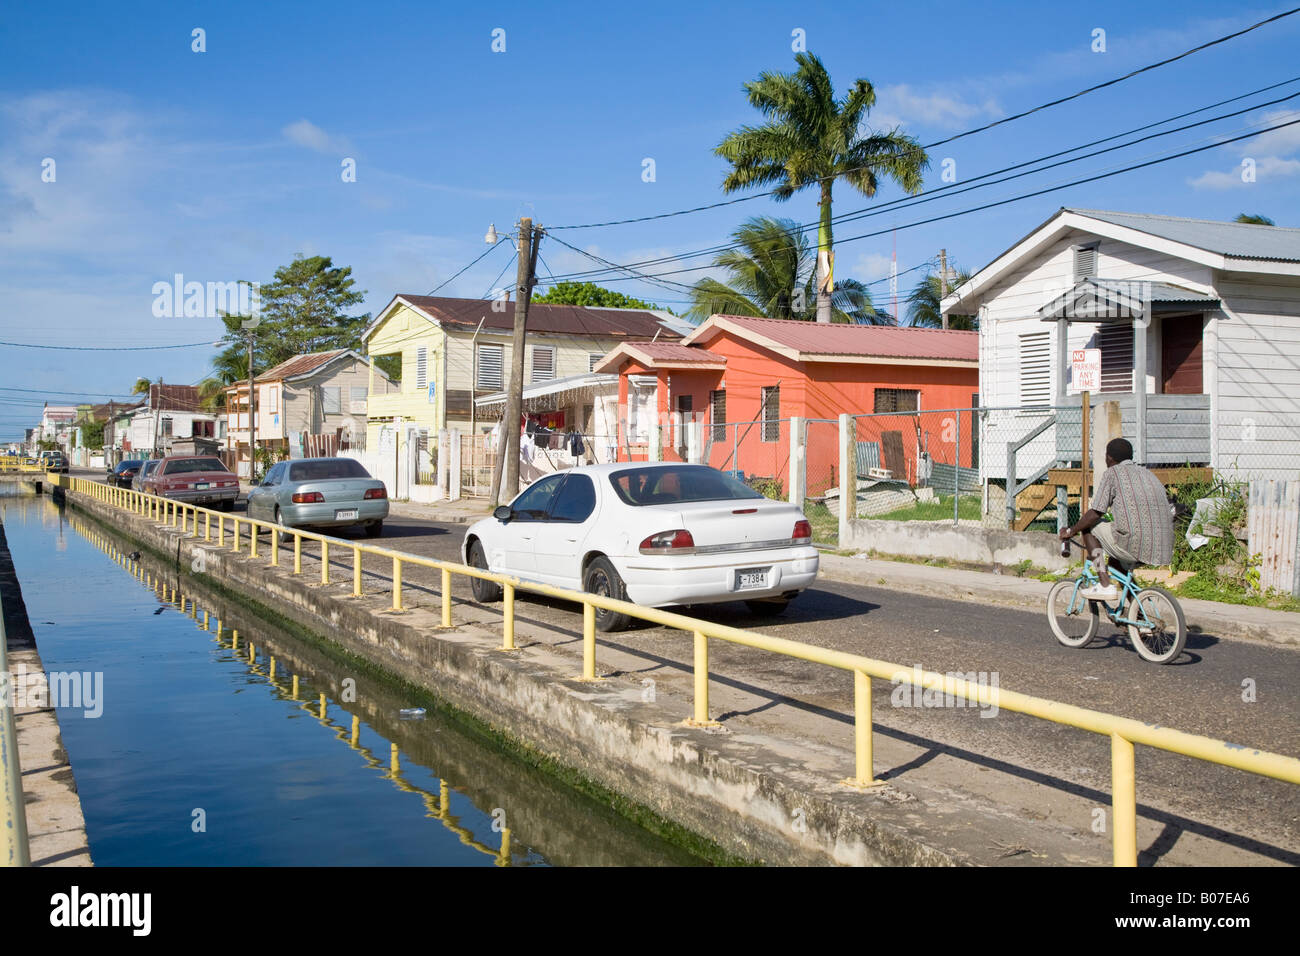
[755, 374]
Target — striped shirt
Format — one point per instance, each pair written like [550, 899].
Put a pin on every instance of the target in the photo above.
[1144, 525]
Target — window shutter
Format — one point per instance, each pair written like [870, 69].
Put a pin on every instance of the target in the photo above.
[330, 400]
[421, 368]
[897, 400]
[1115, 340]
[718, 404]
[543, 363]
[1085, 261]
[1035, 369]
[772, 413]
[490, 362]
[593, 358]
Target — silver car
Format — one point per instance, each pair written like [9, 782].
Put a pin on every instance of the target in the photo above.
[320, 493]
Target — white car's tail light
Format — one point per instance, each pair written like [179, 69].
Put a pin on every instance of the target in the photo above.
[666, 542]
[802, 532]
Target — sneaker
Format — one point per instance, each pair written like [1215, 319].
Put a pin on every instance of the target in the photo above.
[1100, 592]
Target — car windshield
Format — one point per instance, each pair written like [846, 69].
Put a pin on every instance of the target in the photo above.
[147, 467]
[667, 486]
[327, 468]
[184, 465]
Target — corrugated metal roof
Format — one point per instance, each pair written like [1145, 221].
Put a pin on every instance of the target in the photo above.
[673, 352]
[556, 319]
[876, 341]
[1237, 239]
[300, 365]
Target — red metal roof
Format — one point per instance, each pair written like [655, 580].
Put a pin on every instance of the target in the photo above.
[822, 339]
[673, 352]
[300, 365]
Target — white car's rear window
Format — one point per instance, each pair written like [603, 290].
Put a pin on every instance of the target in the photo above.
[667, 486]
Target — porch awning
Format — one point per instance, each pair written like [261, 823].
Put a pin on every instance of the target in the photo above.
[1121, 300]
[573, 389]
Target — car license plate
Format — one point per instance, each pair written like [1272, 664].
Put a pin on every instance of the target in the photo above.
[749, 579]
[201, 486]
[345, 515]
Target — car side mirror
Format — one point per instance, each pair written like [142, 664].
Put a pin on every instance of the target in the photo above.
[503, 513]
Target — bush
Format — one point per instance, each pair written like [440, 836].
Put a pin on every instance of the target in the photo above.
[1223, 562]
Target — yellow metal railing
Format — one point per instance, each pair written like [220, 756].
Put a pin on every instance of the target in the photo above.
[11, 464]
[1123, 732]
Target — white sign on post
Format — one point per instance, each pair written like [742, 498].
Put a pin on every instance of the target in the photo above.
[1085, 370]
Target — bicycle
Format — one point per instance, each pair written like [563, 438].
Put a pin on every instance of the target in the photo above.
[1153, 617]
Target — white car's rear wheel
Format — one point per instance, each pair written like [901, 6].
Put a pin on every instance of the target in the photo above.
[485, 592]
[601, 578]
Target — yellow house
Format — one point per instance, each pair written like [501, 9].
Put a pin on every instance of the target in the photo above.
[454, 350]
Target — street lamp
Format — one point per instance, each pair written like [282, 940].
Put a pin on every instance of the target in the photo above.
[491, 237]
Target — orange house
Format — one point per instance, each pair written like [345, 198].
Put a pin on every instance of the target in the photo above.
[744, 378]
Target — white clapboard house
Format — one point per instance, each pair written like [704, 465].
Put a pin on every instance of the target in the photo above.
[1209, 312]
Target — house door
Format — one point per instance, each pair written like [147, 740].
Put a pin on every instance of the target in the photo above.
[1181, 344]
[685, 407]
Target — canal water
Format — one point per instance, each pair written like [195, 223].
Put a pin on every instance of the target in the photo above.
[201, 752]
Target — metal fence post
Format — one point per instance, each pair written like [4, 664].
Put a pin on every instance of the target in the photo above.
[956, 472]
[848, 476]
[14, 848]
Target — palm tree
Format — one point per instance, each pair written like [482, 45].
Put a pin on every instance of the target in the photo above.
[924, 309]
[1254, 219]
[142, 386]
[813, 139]
[770, 272]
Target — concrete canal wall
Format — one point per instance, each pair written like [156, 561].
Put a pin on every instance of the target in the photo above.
[752, 797]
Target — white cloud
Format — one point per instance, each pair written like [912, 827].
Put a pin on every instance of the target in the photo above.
[1266, 168]
[869, 267]
[901, 105]
[1267, 152]
[307, 134]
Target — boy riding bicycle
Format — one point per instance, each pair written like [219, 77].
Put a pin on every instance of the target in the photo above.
[1143, 529]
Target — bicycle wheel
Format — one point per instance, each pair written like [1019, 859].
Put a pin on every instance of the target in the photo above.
[1163, 631]
[1074, 621]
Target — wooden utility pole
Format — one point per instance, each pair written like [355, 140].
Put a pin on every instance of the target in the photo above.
[252, 406]
[505, 482]
[943, 283]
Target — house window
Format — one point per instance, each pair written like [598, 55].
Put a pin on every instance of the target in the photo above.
[1085, 261]
[330, 400]
[897, 400]
[421, 369]
[1035, 369]
[358, 399]
[490, 362]
[772, 413]
[1115, 339]
[593, 359]
[273, 400]
[543, 363]
[718, 407]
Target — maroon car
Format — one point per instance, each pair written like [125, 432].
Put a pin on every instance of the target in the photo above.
[195, 480]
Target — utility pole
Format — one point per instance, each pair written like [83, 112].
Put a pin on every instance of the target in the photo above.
[252, 413]
[505, 481]
[943, 283]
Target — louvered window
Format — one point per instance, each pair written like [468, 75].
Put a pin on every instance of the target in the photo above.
[718, 405]
[772, 413]
[593, 359]
[490, 362]
[421, 369]
[543, 363]
[1116, 343]
[1085, 261]
[897, 400]
[1035, 369]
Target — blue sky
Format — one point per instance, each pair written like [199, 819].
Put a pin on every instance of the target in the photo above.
[225, 164]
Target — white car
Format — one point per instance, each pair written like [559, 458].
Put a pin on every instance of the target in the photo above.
[653, 533]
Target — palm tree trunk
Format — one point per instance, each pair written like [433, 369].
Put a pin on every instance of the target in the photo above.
[825, 272]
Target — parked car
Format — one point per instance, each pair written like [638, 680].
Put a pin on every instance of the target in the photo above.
[141, 480]
[320, 492]
[54, 461]
[657, 534]
[195, 480]
[123, 474]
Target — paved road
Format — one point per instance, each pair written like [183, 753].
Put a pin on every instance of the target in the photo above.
[1043, 771]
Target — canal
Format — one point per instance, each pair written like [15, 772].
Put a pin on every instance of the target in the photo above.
[207, 736]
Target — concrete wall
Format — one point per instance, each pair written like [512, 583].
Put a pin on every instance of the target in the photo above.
[939, 539]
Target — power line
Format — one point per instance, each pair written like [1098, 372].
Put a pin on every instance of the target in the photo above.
[476, 261]
[493, 286]
[105, 348]
[117, 396]
[972, 184]
[957, 136]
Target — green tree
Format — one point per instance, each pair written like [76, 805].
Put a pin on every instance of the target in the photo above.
[813, 139]
[923, 305]
[772, 274]
[1254, 219]
[591, 295]
[303, 309]
[141, 386]
[92, 434]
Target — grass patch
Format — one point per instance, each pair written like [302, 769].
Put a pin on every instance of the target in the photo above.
[825, 526]
[938, 509]
[1208, 587]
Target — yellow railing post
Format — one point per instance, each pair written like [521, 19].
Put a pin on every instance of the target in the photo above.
[356, 572]
[508, 619]
[221, 531]
[252, 539]
[275, 547]
[588, 641]
[234, 535]
[297, 553]
[324, 561]
[1123, 783]
[701, 718]
[865, 774]
[397, 583]
[207, 526]
[446, 598]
